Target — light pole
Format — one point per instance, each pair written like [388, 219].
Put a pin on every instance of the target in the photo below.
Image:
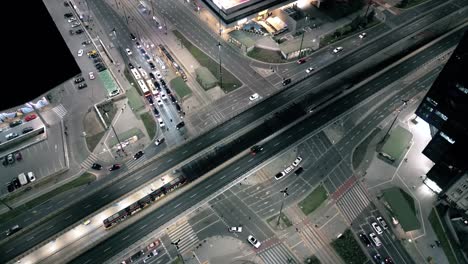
[405, 102]
[220, 67]
[302, 39]
[113, 130]
[285, 193]
[176, 244]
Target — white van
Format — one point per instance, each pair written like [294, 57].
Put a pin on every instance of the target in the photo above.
[22, 179]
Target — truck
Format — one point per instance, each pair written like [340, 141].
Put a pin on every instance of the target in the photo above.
[23, 179]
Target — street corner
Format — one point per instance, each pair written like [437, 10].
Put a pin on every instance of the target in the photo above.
[219, 249]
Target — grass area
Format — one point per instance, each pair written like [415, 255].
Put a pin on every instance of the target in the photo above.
[177, 260]
[180, 87]
[360, 151]
[83, 179]
[396, 144]
[441, 235]
[339, 9]
[405, 4]
[108, 108]
[402, 207]
[149, 123]
[126, 135]
[230, 82]
[348, 248]
[134, 99]
[265, 55]
[312, 260]
[344, 33]
[92, 141]
[313, 200]
[283, 223]
[131, 80]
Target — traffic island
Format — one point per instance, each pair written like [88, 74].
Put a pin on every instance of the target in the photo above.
[348, 248]
[313, 200]
[401, 206]
[283, 223]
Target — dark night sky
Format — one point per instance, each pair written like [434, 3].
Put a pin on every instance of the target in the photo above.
[35, 56]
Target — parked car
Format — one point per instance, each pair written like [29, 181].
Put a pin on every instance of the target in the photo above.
[299, 171]
[82, 86]
[254, 97]
[132, 36]
[31, 176]
[297, 161]
[18, 156]
[161, 123]
[377, 228]
[10, 158]
[280, 175]
[155, 111]
[177, 106]
[27, 130]
[180, 125]
[252, 240]
[138, 154]
[16, 123]
[67, 15]
[286, 81]
[382, 222]
[364, 239]
[11, 136]
[10, 187]
[91, 76]
[235, 229]
[79, 79]
[30, 117]
[129, 52]
[375, 239]
[79, 31]
[159, 141]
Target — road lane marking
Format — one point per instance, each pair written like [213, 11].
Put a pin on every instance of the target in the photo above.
[170, 160]
[126, 237]
[193, 195]
[68, 217]
[185, 151]
[121, 187]
[88, 205]
[177, 205]
[107, 249]
[250, 160]
[276, 144]
[105, 196]
[224, 176]
[143, 227]
[208, 186]
[160, 216]
[29, 239]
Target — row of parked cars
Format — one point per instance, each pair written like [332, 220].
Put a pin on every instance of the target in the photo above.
[20, 181]
[375, 240]
[290, 168]
[25, 130]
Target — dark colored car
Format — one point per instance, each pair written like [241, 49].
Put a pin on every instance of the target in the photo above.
[16, 123]
[177, 106]
[83, 85]
[10, 158]
[300, 61]
[96, 166]
[151, 75]
[97, 60]
[299, 171]
[10, 187]
[143, 51]
[86, 42]
[180, 125]
[147, 57]
[150, 100]
[155, 111]
[163, 82]
[173, 99]
[168, 91]
[115, 167]
[79, 31]
[27, 129]
[132, 36]
[365, 240]
[256, 149]
[286, 81]
[94, 56]
[16, 182]
[67, 15]
[131, 66]
[152, 65]
[158, 86]
[13, 230]
[18, 156]
[138, 154]
[100, 69]
[79, 79]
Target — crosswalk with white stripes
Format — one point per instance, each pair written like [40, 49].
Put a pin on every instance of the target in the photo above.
[133, 163]
[88, 162]
[277, 254]
[353, 202]
[183, 230]
[60, 110]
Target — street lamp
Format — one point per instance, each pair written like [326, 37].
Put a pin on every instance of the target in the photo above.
[176, 244]
[112, 127]
[405, 102]
[285, 193]
[220, 67]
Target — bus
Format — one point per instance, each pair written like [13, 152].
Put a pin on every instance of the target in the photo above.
[136, 74]
[144, 88]
[152, 88]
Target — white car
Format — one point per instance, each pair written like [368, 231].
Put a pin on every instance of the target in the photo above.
[80, 53]
[87, 222]
[163, 96]
[161, 122]
[31, 176]
[235, 229]
[288, 169]
[72, 19]
[160, 102]
[254, 97]
[375, 239]
[382, 222]
[91, 75]
[158, 74]
[377, 228]
[297, 161]
[362, 35]
[129, 52]
[159, 141]
[337, 50]
[75, 24]
[252, 240]
[309, 70]
[279, 175]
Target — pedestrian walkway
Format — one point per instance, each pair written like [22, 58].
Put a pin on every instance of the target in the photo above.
[60, 110]
[183, 230]
[277, 254]
[88, 162]
[133, 163]
[353, 202]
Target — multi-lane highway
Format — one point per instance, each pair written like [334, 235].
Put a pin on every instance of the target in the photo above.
[42, 232]
[183, 202]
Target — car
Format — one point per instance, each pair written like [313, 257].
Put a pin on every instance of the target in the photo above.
[79, 31]
[79, 79]
[131, 66]
[235, 229]
[67, 15]
[153, 244]
[280, 175]
[382, 222]
[289, 169]
[152, 66]
[11, 136]
[114, 93]
[151, 75]
[377, 228]
[115, 167]
[362, 35]
[388, 260]
[96, 166]
[377, 257]
[143, 51]
[16, 182]
[86, 42]
[150, 100]
[286, 81]
[129, 52]
[138, 44]
[91, 75]
[12, 230]
[150, 255]
[18, 156]
[31, 176]
[75, 24]
[132, 36]
[178, 108]
[297, 161]
[300, 61]
[87, 222]
[147, 57]
[173, 99]
[252, 240]
[168, 91]
[71, 32]
[254, 97]
[16, 123]
[27, 130]
[299, 171]
[180, 125]
[94, 56]
[337, 50]
[158, 86]
[102, 68]
[256, 149]
[138, 155]
[375, 239]
[364, 239]
[10, 187]
[80, 52]
[160, 102]
[310, 69]
[10, 158]
[30, 117]
[155, 111]
[82, 86]
[161, 122]
[71, 19]
[158, 74]
[163, 82]
[159, 141]
[163, 96]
